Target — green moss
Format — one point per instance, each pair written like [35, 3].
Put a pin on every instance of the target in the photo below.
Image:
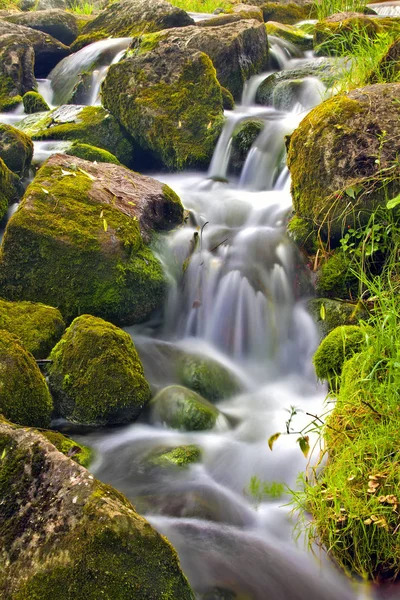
[329, 314]
[9, 188]
[16, 149]
[182, 456]
[242, 140]
[96, 376]
[339, 345]
[177, 121]
[227, 99]
[181, 408]
[39, 327]
[84, 39]
[336, 278]
[92, 153]
[302, 233]
[24, 397]
[34, 102]
[9, 100]
[77, 452]
[207, 377]
[287, 13]
[290, 34]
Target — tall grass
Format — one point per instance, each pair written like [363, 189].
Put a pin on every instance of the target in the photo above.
[325, 8]
[82, 8]
[202, 6]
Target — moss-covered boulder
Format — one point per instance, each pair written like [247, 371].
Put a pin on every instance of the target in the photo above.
[93, 542]
[78, 240]
[348, 24]
[389, 67]
[90, 125]
[96, 376]
[237, 50]
[287, 12]
[339, 155]
[10, 189]
[329, 314]
[24, 396]
[336, 278]
[132, 17]
[60, 24]
[243, 138]
[338, 346]
[181, 457]
[91, 153]
[181, 408]
[24, 55]
[207, 377]
[34, 103]
[39, 327]
[169, 100]
[16, 149]
[290, 34]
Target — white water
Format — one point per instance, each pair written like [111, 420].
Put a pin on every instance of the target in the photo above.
[387, 9]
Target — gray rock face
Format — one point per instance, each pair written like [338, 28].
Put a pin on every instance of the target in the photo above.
[60, 24]
[93, 543]
[133, 17]
[24, 55]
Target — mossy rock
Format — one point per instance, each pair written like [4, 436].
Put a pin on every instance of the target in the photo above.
[24, 396]
[243, 138]
[34, 103]
[128, 18]
[93, 542]
[78, 241]
[349, 25]
[207, 377]
[290, 34]
[329, 314]
[96, 376]
[338, 346]
[336, 279]
[90, 125]
[39, 327]
[181, 408]
[228, 101]
[10, 189]
[301, 232]
[16, 149]
[388, 69]
[169, 100]
[288, 12]
[83, 455]
[24, 55]
[338, 155]
[92, 153]
[60, 24]
[181, 457]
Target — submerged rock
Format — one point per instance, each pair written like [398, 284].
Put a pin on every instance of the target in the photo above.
[24, 396]
[79, 239]
[96, 376]
[16, 149]
[169, 100]
[10, 189]
[181, 408]
[93, 542]
[338, 154]
[60, 24]
[34, 103]
[85, 124]
[128, 18]
[182, 456]
[24, 55]
[237, 50]
[39, 327]
[207, 377]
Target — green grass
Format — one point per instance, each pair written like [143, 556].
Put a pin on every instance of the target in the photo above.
[202, 6]
[82, 8]
[325, 8]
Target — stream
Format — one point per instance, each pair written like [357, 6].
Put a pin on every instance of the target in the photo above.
[241, 301]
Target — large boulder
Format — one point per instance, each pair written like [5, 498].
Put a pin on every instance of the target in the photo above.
[96, 376]
[181, 408]
[39, 327]
[237, 50]
[16, 149]
[128, 18]
[24, 396]
[79, 238]
[10, 189]
[90, 125]
[93, 544]
[60, 24]
[169, 100]
[24, 55]
[339, 154]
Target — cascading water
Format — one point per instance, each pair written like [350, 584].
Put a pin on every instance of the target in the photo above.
[235, 296]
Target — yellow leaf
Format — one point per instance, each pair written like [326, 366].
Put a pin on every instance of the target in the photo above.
[101, 214]
[105, 225]
[179, 124]
[272, 440]
[304, 445]
[209, 125]
[132, 203]
[65, 173]
[322, 312]
[45, 191]
[87, 174]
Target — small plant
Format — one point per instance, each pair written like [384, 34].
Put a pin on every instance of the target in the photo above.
[325, 8]
[201, 6]
[82, 8]
[263, 490]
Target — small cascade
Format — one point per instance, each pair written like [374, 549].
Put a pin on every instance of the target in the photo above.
[93, 59]
[386, 9]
